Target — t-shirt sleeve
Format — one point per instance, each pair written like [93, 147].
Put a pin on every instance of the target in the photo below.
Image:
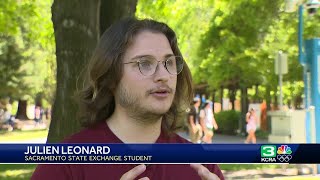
[215, 169]
[52, 172]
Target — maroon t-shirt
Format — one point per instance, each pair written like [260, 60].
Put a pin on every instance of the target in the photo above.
[102, 134]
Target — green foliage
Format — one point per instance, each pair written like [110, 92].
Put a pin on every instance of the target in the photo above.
[234, 29]
[189, 19]
[292, 94]
[233, 44]
[228, 121]
[10, 61]
[13, 13]
[311, 25]
[27, 50]
[262, 134]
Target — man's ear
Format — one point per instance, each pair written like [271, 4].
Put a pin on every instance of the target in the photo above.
[113, 87]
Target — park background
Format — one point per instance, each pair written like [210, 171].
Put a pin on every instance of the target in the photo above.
[230, 47]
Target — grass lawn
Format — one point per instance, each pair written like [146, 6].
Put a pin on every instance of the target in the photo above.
[19, 171]
[17, 135]
[16, 171]
[237, 167]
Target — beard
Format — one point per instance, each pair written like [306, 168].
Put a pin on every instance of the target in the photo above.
[132, 103]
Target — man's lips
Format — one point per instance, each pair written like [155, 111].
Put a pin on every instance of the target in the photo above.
[161, 91]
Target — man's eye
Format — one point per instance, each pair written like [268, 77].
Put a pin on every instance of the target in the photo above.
[145, 63]
[170, 62]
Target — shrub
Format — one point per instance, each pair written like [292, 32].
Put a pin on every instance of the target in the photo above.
[262, 134]
[228, 121]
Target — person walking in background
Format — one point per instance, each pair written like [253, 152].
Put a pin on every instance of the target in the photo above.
[37, 115]
[195, 130]
[7, 117]
[251, 119]
[208, 122]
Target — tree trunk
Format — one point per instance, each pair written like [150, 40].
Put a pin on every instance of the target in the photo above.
[213, 99]
[268, 102]
[221, 97]
[268, 98]
[22, 110]
[77, 30]
[114, 10]
[244, 108]
[256, 96]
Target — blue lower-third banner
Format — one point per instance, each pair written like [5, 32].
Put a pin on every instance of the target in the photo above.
[159, 153]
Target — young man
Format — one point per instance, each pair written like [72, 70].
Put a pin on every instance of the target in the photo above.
[138, 87]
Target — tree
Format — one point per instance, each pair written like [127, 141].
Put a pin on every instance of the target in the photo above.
[26, 50]
[189, 19]
[77, 28]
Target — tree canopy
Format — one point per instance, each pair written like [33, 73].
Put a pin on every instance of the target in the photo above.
[233, 44]
[226, 44]
[27, 50]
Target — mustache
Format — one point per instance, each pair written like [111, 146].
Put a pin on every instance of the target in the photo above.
[162, 88]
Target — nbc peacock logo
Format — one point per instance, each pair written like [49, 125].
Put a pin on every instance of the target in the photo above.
[284, 153]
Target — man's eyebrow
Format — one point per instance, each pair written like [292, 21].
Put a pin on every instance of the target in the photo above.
[148, 55]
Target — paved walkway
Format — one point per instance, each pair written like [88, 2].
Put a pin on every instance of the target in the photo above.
[28, 141]
[282, 173]
[226, 139]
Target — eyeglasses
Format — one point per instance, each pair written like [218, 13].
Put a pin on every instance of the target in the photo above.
[148, 65]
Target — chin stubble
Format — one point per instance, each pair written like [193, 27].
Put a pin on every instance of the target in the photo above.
[135, 111]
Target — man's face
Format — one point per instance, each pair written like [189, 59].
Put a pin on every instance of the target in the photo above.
[146, 96]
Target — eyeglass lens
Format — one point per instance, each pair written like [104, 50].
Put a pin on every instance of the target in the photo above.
[148, 65]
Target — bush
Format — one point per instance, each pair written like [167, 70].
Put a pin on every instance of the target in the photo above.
[228, 121]
[262, 134]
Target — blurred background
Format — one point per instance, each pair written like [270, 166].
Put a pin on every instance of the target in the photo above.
[243, 54]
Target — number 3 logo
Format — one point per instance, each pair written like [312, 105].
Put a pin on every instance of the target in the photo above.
[268, 151]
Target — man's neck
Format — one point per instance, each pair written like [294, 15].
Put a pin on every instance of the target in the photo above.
[131, 130]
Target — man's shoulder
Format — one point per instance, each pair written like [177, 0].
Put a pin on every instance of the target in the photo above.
[92, 134]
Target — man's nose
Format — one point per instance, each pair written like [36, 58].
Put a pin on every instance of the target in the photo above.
[161, 73]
